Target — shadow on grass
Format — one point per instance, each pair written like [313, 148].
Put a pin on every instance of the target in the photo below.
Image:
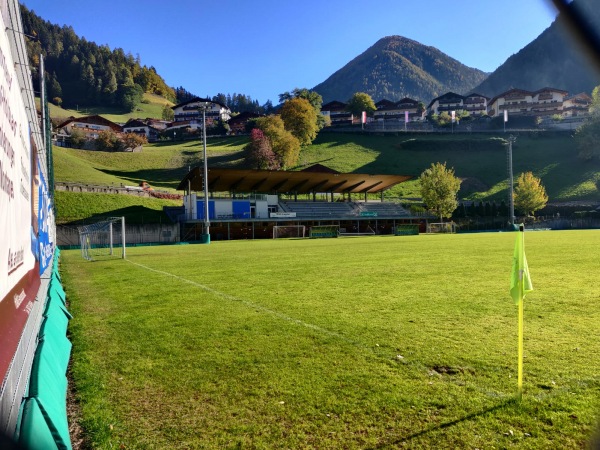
[133, 215]
[158, 178]
[393, 443]
[170, 178]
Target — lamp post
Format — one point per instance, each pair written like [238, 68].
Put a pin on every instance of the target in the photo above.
[511, 139]
[206, 234]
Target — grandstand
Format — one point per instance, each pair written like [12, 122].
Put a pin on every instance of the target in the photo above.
[247, 204]
[320, 210]
[383, 209]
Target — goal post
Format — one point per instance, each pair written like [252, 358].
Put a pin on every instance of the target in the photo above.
[441, 227]
[289, 231]
[103, 239]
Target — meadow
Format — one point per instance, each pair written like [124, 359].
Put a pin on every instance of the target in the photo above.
[479, 160]
[354, 343]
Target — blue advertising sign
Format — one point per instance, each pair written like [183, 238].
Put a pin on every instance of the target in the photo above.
[45, 222]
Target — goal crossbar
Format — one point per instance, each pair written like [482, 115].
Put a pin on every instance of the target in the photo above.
[289, 231]
[100, 239]
[441, 227]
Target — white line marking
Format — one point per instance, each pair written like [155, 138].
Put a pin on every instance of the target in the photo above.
[254, 306]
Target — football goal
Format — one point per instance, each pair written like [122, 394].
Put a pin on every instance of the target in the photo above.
[288, 231]
[103, 239]
[443, 227]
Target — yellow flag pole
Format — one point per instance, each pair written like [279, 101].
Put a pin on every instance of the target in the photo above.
[520, 365]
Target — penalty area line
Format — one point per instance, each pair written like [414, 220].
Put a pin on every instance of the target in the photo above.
[255, 306]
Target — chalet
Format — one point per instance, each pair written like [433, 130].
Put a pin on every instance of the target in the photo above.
[519, 102]
[450, 101]
[337, 113]
[548, 101]
[577, 105]
[405, 110]
[237, 124]
[148, 127]
[476, 104]
[91, 126]
[416, 109]
[191, 113]
[386, 110]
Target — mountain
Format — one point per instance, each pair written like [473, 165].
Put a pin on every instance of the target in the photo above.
[553, 59]
[397, 67]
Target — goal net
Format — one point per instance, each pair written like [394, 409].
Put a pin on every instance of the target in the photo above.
[103, 239]
[444, 227]
[288, 231]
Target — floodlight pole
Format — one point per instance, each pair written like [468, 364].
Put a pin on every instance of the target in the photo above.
[511, 139]
[206, 234]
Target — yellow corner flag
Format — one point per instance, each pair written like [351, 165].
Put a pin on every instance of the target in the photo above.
[520, 284]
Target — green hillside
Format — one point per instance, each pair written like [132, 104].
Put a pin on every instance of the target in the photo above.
[479, 160]
[151, 106]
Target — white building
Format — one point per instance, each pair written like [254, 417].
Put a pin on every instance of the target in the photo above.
[191, 112]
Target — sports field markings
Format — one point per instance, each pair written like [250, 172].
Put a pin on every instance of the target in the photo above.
[299, 322]
[256, 306]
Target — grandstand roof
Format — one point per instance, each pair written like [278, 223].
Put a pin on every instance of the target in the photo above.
[272, 182]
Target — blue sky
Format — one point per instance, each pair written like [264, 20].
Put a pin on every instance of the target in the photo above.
[262, 48]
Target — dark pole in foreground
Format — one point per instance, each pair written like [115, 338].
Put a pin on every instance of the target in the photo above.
[511, 139]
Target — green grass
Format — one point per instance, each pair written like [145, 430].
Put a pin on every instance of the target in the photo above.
[150, 108]
[479, 159]
[163, 165]
[79, 206]
[382, 342]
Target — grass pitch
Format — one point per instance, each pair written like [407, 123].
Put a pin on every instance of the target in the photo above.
[378, 342]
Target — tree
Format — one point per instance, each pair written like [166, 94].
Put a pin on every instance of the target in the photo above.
[168, 113]
[259, 154]
[285, 146]
[133, 140]
[587, 136]
[439, 189]
[360, 102]
[108, 141]
[300, 119]
[76, 139]
[130, 96]
[529, 195]
[314, 98]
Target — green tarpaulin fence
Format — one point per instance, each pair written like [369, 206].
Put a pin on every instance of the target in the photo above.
[43, 417]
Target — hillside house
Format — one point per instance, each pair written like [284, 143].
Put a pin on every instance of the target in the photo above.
[145, 127]
[190, 113]
[91, 126]
[577, 105]
[402, 110]
[519, 102]
[448, 102]
[337, 113]
[237, 124]
[476, 104]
